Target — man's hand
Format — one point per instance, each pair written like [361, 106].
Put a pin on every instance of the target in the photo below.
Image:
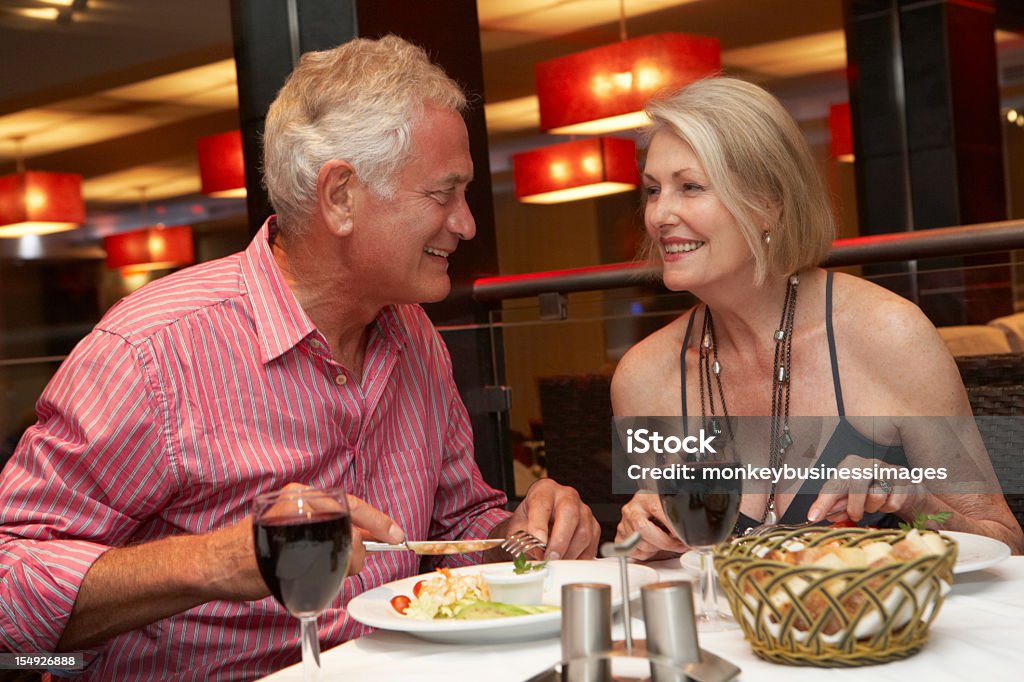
[556, 515]
[232, 550]
[129, 587]
[369, 522]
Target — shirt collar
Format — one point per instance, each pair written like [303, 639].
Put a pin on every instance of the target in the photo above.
[281, 323]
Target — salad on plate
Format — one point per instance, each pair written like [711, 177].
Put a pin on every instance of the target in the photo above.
[458, 596]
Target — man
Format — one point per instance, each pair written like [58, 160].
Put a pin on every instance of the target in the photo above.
[124, 524]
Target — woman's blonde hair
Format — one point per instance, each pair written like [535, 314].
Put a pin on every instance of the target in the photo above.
[759, 165]
[356, 102]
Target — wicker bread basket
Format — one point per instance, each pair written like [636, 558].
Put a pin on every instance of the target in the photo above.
[808, 615]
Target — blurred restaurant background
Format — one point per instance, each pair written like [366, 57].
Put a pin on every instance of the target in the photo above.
[130, 128]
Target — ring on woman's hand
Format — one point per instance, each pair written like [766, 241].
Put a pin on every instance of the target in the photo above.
[881, 485]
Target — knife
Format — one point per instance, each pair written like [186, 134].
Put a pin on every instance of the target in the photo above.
[434, 547]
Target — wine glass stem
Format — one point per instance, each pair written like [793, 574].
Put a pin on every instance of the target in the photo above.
[310, 650]
[708, 598]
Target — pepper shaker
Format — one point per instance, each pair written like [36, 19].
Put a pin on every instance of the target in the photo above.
[586, 632]
[671, 628]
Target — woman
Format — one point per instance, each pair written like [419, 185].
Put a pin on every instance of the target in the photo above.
[737, 213]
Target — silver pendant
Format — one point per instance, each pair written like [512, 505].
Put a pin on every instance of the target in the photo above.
[714, 427]
[770, 517]
[784, 442]
[780, 334]
[707, 340]
[782, 376]
[716, 368]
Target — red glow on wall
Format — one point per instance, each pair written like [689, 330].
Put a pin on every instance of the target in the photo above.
[840, 132]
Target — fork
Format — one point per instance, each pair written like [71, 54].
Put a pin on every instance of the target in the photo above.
[522, 542]
[767, 527]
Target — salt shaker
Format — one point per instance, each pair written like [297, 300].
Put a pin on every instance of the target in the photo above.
[671, 628]
[586, 632]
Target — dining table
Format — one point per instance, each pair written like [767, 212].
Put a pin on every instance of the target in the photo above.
[977, 635]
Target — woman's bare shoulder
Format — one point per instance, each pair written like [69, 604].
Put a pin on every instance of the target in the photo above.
[887, 342]
[650, 364]
[876, 316]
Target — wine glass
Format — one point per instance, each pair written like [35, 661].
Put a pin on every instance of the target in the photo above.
[303, 539]
[702, 510]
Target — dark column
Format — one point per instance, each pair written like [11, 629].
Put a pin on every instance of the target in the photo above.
[925, 110]
[450, 33]
[264, 52]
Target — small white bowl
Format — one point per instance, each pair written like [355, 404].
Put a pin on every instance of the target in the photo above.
[508, 587]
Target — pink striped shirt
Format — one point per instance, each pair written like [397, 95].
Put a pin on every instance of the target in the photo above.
[188, 399]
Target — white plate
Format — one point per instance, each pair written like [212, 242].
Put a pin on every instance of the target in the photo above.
[976, 551]
[373, 608]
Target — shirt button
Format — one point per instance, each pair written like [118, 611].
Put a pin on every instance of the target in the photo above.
[316, 344]
[341, 379]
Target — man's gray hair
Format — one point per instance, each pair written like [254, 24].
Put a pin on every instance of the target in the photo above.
[355, 102]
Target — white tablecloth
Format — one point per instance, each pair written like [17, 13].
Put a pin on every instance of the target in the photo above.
[978, 635]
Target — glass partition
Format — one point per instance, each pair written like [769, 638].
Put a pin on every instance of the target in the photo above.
[559, 354]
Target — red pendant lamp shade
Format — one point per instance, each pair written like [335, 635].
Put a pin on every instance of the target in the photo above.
[605, 89]
[221, 164]
[151, 248]
[36, 202]
[575, 170]
[840, 132]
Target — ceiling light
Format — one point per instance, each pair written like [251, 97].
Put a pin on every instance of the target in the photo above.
[151, 248]
[41, 13]
[605, 88]
[35, 202]
[575, 170]
[222, 164]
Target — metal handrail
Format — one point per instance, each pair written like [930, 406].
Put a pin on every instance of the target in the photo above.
[902, 246]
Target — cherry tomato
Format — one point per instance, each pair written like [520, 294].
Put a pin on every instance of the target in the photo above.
[845, 523]
[400, 603]
[416, 588]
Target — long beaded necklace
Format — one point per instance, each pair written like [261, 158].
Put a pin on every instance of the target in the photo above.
[708, 366]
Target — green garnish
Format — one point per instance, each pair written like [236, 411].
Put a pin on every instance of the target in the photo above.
[921, 519]
[520, 565]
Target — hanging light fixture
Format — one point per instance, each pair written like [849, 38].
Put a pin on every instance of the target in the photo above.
[604, 89]
[38, 202]
[157, 247]
[575, 170]
[222, 164]
[840, 132]
[151, 248]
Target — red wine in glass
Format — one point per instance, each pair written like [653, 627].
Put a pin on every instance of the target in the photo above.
[303, 541]
[702, 511]
[304, 563]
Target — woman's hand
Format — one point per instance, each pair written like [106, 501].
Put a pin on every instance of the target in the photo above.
[852, 498]
[644, 514]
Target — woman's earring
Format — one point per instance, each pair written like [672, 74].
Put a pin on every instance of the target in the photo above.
[767, 236]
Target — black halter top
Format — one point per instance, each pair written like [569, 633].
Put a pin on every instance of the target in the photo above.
[845, 440]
